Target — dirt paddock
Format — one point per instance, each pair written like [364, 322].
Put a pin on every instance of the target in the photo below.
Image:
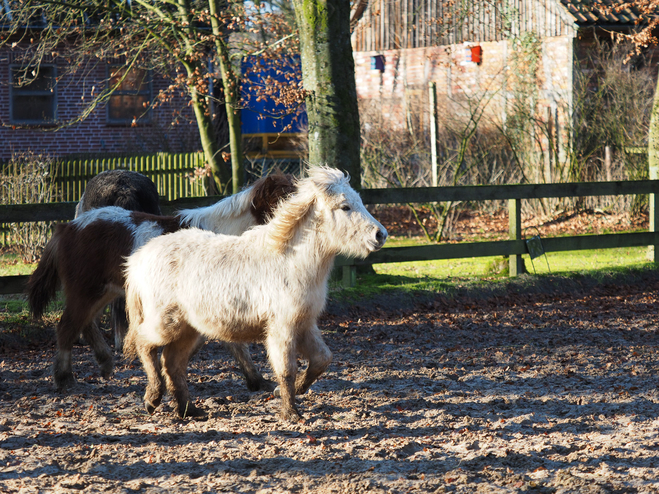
[507, 393]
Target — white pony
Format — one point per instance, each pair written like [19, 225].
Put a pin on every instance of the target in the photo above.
[86, 257]
[269, 284]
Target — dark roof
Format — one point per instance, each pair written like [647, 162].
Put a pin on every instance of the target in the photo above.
[608, 13]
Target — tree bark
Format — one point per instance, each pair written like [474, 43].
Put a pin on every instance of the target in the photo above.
[231, 99]
[653, 138]
[328, 72]
[220, 172]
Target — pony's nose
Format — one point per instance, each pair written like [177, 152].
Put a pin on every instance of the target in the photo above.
[381, 236]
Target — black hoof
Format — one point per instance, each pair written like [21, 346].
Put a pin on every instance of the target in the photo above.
[191, 411]
[64, 382]
[261, 385]
[107, 369]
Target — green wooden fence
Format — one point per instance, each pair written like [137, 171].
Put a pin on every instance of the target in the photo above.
[514, 194]
[173, 174]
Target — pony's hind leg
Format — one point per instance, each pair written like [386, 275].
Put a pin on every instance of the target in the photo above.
[102, 351]
[175, 357]
[119, 322]
[255, 381]
[155, 388]
[313, 348]
[68, 331]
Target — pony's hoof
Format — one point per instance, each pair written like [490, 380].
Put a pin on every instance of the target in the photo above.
[276, 392]
[150, 408]
[107, 369]
[191, 411]
[260, 385]
[64, 382]
[290, 415]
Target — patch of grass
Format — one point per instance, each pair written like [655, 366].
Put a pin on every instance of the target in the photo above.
[18, 328]
[12, 265]
[12, 304]
[479, 267]
[448, 276]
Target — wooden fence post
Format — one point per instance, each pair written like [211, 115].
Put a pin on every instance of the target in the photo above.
[349, 276]
[432, 91]
[653, 251]
[516, 264]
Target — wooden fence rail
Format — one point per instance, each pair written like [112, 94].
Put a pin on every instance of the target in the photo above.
[515, 247]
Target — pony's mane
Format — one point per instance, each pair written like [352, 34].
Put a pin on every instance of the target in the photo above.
[326, 178]
[259, 199]
[290, 213]
[268, 192]
[206, 217]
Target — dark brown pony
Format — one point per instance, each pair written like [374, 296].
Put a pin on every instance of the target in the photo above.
[129, 190]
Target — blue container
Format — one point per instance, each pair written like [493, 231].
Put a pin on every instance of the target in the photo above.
[377, 62]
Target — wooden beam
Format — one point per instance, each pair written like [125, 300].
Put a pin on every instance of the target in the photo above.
[505, 192]
[502, 248]
[13, 284]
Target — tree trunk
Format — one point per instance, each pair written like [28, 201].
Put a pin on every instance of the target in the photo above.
[653, 139]
[209, 144]
[328, 71]
[231, 99]
[653, 163]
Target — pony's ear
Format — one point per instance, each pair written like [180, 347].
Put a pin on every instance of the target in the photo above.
[287, 219]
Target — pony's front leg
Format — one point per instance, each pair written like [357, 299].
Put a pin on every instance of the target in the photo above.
[175, 357]
[313, 348]
[281, 352]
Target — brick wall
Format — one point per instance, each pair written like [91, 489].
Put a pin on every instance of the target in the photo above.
[94, 134]
[408, 72]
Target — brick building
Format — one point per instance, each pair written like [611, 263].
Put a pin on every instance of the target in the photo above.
[30, 114]
[473, 55]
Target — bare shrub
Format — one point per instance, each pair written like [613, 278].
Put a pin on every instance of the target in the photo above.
[28, 179]
[401, 156]
[613, 104]
[611, 109]
[392, 157]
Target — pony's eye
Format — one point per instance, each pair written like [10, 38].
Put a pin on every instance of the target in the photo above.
[345, 207]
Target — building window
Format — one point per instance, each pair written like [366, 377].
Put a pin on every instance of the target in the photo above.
[33, 95]
[129, 103]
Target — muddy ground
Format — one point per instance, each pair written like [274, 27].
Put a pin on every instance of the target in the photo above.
[516, 390]
[529, 386]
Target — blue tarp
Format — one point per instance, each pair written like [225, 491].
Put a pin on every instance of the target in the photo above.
[258, 117]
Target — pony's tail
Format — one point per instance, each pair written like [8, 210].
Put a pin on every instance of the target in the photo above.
[42, 285]
[135, 315]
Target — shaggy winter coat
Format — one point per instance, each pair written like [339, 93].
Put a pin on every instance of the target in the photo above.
[269, 285]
